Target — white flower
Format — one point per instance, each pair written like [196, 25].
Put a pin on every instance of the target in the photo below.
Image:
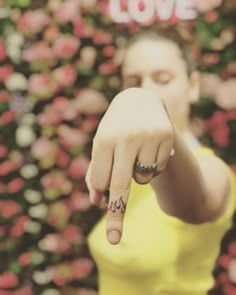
[28, 119]
[29, 171]
[42, 278]
[37, 257]
[25, 136]
[32, 196]
[51, 292]
[17, 81]
[32, 227]
[39, 211]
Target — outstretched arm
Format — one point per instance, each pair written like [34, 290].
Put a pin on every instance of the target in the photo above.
[136, 127]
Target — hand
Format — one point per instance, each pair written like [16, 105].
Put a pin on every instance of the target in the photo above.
[136, 127]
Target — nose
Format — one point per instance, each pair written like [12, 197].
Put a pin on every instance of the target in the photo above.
[148, 84]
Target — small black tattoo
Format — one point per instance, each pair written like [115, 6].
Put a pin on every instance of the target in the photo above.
[117, 205]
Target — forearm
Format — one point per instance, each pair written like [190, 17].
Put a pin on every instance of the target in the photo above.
[180, 187]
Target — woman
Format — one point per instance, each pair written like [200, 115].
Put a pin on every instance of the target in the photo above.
[161, 237]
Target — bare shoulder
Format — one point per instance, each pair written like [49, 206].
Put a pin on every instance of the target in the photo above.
[217, 185]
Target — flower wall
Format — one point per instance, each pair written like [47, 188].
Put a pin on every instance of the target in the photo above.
[59, 68]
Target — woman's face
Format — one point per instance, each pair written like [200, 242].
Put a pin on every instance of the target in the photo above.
[159, 66]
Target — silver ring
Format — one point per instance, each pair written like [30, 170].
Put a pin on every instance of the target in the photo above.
[144, 168]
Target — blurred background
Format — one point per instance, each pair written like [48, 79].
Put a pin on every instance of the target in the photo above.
[59, 68]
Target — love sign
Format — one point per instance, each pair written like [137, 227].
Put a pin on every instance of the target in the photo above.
[143, 11]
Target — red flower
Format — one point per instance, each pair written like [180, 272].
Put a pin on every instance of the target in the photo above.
[8, 117]
[19, 228]
[229, 289]
[5, 72]
[7, 167]
[8, 280]
[4, 96]
[220, 135]
[3, 151]
[107, 68]
[65, 75]
[65, 46]
[62, 159]
[73, 234]
[15, 185]
[9, 208]
[211, 16]
[25, 259]
[224, 261]
[81, 268]
[232, 249]
[101, 37]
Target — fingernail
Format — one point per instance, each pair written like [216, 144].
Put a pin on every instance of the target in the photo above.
[114, 237]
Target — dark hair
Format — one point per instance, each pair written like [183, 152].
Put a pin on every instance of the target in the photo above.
[184, 47]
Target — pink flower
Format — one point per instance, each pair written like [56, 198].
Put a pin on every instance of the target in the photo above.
[220, 135]
[8, 280]
[7, 167]
[33, 21]
[19, 227]
[91, 102]
[15, 185]
[68, 11]
[43, 148]
[211, 16]
[70, 137]
[89, 124]
[73, 234]
[9, 208]
[60, 103]
[39, 52]
[224, 261]
[55, 243]
[62, 159]
[65, 76]
[204, 6]
[5, 72]
[2, 52]
[232, 271]
[7, 117]
[109, 51]
[209, 84]
[23, 291]
[79, 201]
[57, 180]
[50, 116]
[78, 167]
[102, 37]
[81, 268]
[51, 33]
[226, 94]
[25, 259]
[65, 46]
[81, 29]
[4, 96]
[107, 68]
[41, 85]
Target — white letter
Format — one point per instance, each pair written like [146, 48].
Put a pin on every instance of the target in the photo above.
[185, 9]
[117, 14]
[137, 14]
[164, 9]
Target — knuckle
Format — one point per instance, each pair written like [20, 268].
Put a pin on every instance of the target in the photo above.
[120, 186]
[142, 179]
[97, 185]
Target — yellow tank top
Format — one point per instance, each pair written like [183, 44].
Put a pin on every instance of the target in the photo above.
[158, 254]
